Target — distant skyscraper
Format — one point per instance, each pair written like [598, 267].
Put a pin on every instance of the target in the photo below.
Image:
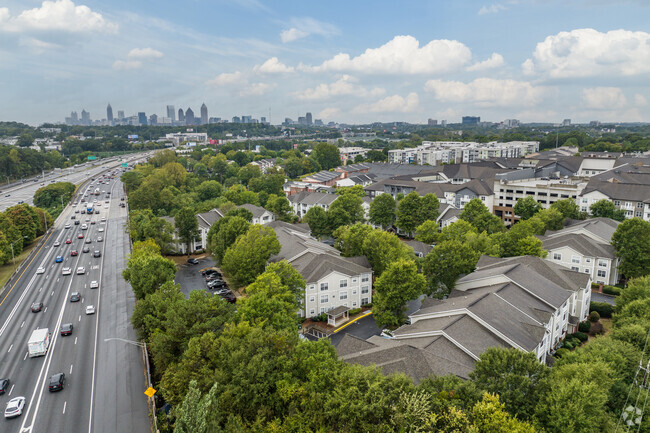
[153, 119]
[85, 117]
[204, 114]
[120, 114]
[247, 119]
[262, 119]
[181, 115]
[236, 119]
[302, 120]
[432, 122]
[171, 113]
[471, 120]
[74, 116]
[566, 122]
[189, 116]
[308, 119]
[142, 118]
[109, 114]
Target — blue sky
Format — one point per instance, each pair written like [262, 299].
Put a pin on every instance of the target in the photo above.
[345, 61]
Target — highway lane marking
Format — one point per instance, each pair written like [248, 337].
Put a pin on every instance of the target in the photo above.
[71, 368]
[79, 318]
[75, 340]
[40, 290]
[64, 405]
[22, 324]
[52, 293]
[45, 311]
[12, 389]
[26, 353]
[10, 347]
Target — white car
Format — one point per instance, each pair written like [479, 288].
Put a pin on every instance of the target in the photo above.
[101, 229]
[94, 285]
[84, 227]
[81, 270]
[14, 407]
[90, 309]
[67, 226]
[40, 270]
[66, 271]
[103, 219]
[100, 239]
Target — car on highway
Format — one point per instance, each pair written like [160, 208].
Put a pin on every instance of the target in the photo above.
[86, 249]
[192, 261]
[90, 309]
[84, 227]
[122, 199]
[73, 217]
[96, 211]
[74, 253]
[103, 219]
[68, 225]
[101, 229]
[37, 307]
[122, 205]
[40, 270]
[83, 211]
[66, 271]
[75, 297]
[88, 219]
[81, 270]
[100, 239]
[88, 240]
[80, 236]
[57, 243]
[97, 253]
[76, 211]
[66, 329]
[76, 222]
[4, 386]
[15, 407]
[58, 259]
[93, 222]
[68, 241]
[7, 195]
[57, 382]
[94, 285]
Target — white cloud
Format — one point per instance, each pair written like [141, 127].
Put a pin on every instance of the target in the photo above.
[588, 52]
[256, 89]
[38, 45]
[346, 85]
[273, 66]
[145, 53]
[391, 104]
[292, 34]
[494, 61]
[328, 113]
[226, 79]
[640, 100]
[487, 92]
[403, 55]
[604, 98]
[492, 9]
[125, 65]
[59, 15]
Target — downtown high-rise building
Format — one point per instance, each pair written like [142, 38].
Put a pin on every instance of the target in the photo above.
[85, 117]
[120, 114]
[109, 114]
[181, 115]
[142, 118]
[204, 114]
[189, 116]
[171, 113]
[308, 119]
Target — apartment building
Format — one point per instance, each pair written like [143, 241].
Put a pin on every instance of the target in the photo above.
[447, 152]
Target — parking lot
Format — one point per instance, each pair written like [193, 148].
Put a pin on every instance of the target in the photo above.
[189, 276]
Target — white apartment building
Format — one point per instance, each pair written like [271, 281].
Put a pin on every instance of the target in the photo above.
[348, 153]
[438, 152]
[179, 137]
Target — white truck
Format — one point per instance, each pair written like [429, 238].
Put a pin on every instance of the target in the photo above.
[39, 342]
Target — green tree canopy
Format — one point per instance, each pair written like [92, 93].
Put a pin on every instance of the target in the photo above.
[631, 242]
[527, 207]
[224, 233]
[247, 257]
[327, 155]
[446, 262]
[477, 214]
[316, 217]
[382, 211]
[398, 284]
[187, 226]
[146, 270]
[606, 208]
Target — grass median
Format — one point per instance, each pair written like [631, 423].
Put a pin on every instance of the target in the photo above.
[8, 268]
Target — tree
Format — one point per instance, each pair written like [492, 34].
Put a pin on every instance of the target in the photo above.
[354, 190]
[551, 218]
[270, 304]
[477, 214]
[429, 208]
[209, 189]
[193, 415]
[146, 269]
[446, 262]
[382, 248]
[352, 205]
[281, 207]
[247, 257]
[54, 194]
[293, 167]
[408, 213]
[350, 239]
[316, 217]
[224, 233]
[637, 288]
[143, 225]
[25, 219]
[527, 207]
[173, 174]
[336, 217]
[427, 232]
[200, 170]
[516, 376]
[457, 231]
[568, 208]
[187, 227]
[490, 416]
[248, 172]
[398, 284]
[25, 140]
[605, 208]
[327, 155]
[382, 211]
[631, 242]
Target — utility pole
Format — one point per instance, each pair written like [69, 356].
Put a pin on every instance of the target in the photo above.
[12, 256]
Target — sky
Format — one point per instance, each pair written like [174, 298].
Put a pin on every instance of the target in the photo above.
[354, 61]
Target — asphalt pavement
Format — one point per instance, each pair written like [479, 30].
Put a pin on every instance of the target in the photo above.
[105, 380]
[599, 297]
[190, 278]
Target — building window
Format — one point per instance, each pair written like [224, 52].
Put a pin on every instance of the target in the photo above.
[584, 200]
[324, 299]
[575, 259]
[364, 301]
[602, 273]
[639, 204]
[365, 289]
[602, 263]
[312, 299]
[617, 202]
[312, 312]
[586, 270]
[323, 310]
[575, 268]
[323, 286]
[354, 291]
[639, 214]
[312, 287]
[354, 303]
[557, 256]
[587, 260]
[343, 295]
[343, 283]
[354, 280]
[365, 279]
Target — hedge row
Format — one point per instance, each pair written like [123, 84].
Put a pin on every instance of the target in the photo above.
[603, 308]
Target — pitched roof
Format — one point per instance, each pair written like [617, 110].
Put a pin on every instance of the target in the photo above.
[580, 243]
[313, 198]
[619, 191]
[322, 176]
[257, 211]
[206, 219]
[601, 228]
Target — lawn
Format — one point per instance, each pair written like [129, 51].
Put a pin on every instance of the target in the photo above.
[8, 268]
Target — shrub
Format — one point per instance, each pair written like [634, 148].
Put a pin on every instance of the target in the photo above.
[354, 311]
[595, 286]
[320, 318]
[594, 316]
[580, 336]
[567, 345]
[584, 326]
[561, 352]
[611, 290]
[604, 309]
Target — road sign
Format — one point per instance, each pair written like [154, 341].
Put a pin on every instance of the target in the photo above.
[150, 392]
[124, 165]
[92, 158]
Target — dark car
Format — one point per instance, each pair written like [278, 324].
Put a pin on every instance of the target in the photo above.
[76, 222]
[86, 250]
[122, 199]
[229, 297]
[57, 382]
[36, 307]
[212, 277]
[207, 272]
[97, 254]
[217, 284]
[66, 329]
[4, 384]
[223, 291]
[73, 217]
[97, 211]
[75, 297]
[193, 261]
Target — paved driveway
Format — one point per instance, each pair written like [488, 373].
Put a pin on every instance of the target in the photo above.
[189, 276]
[599, 297]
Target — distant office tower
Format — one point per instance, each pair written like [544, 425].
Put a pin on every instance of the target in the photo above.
[432, 122]
[120, 114]
[443, 123]
[308, 119]
[566, 122]
[214, 120]
[85, 117]
[247, 119]
[189, 116]
[471, 120]
[171, 113]
[204, 114]
[153, 119]
[142, 118]
[74, 117]
[109, 114]
[262, 119]
[236, 119]
[181, 115]
[302, 120]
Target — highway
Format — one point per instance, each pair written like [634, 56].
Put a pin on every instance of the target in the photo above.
[24, 192]
[105, 380]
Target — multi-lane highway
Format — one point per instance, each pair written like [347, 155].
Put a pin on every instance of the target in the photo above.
[105, 376]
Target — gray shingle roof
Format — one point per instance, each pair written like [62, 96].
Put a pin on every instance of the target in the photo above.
[619, 191]
[313, 198]
[322, 176]
[580, 243]
[257, 211]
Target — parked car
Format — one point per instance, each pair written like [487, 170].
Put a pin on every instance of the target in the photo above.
[207, 272]
[192, 261]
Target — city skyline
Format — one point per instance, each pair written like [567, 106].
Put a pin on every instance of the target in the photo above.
[438, 60]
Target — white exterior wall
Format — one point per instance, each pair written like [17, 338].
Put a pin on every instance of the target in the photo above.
[571, 259]
[318, 301]
[266, 218]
